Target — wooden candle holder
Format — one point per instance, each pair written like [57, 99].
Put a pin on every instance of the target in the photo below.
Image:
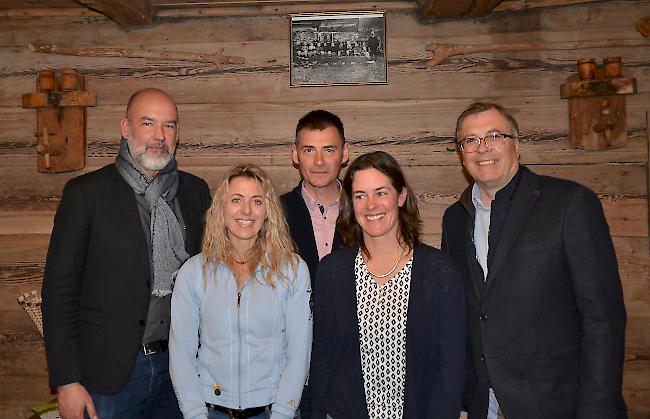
[60, 104]
[597, 115]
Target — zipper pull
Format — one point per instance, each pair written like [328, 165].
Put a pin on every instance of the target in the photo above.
[238, 299]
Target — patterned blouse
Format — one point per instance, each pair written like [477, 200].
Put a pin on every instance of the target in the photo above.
[382, 311]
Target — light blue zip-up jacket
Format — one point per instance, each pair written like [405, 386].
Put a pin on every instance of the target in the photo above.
[255, 345]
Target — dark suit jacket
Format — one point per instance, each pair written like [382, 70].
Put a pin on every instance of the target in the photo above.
[435, 339]
[302, 230]
[97, 282]
[547, 330]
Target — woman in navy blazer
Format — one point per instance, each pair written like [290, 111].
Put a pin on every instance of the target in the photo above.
[389, 312]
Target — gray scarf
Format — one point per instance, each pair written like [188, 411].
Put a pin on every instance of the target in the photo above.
[167, 244]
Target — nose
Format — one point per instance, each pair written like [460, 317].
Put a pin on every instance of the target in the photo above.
[246, 207]
[318, 158]
[370, 202]
[483, 147]
[159, 133]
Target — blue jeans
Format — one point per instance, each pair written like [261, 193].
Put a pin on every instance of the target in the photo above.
[147, 394]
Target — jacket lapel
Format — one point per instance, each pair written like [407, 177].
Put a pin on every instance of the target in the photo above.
[186, 212]
[523, 200]
[127, 207]
[470, 249]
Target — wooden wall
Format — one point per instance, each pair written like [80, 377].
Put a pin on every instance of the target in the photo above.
[248, 114]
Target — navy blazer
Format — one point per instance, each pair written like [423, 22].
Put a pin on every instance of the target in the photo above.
[547, 330]
[435, 339]
[97, 282]
[302, 230]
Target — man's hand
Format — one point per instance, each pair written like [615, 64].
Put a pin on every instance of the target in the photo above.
[74, 400]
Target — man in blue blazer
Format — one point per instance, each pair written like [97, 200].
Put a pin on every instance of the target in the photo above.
[312, 207]
[120, 234]
[545, 305]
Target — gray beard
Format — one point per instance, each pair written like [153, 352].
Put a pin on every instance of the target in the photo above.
[154, 164]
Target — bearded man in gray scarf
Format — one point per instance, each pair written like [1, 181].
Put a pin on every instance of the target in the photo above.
[120, 235]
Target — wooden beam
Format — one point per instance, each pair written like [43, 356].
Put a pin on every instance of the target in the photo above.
[48, 12]
[445, 9]
[265, 8]
[128, 13]
[513, 5]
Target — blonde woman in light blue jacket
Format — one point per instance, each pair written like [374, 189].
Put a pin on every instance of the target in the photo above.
[241, 328]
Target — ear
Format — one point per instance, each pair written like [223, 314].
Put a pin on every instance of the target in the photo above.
[516, 141]
[294, 154]
[401, 199]
[346, 153]
[124, 127]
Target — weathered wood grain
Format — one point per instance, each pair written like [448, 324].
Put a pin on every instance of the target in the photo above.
[21, 183]
[23, 378]
[601, 16]
[406, 81]
[627, 216]
[417, 149]
[233, 126]
[248, 113]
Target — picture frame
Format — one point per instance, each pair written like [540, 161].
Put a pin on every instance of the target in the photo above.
[342, 48]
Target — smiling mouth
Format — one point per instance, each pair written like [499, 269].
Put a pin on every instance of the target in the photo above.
[486, 162]
[158, 149]
[245, 223]
[374, 217]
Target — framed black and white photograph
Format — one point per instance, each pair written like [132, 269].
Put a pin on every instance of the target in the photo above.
[338, 48]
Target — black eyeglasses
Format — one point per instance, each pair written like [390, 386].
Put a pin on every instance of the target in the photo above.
[494, 141]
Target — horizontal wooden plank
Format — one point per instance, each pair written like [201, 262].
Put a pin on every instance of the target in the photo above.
[636, 388]
[419, 149]
[96, 30]
[265, 52]
[23, 248]
[626, 216]
[23, 379]
[412, 122]
[406, 81]
[22, 183]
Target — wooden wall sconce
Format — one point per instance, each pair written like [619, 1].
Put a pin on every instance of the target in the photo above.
[597, 116]
[60, 103]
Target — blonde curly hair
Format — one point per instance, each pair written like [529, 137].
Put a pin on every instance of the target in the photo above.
[273, 246]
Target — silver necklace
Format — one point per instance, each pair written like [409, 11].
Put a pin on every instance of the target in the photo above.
[240, 262]
[389, 272]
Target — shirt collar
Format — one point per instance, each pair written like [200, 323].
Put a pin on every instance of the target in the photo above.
[311, 202]
[502, 196]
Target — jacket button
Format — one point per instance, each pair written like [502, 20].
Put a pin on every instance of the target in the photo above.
[483, 317]
[482, 358]
[142, 323]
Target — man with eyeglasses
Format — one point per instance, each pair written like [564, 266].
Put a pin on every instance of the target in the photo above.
[544, 298]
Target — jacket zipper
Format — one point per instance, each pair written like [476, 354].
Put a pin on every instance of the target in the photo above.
[239, 349]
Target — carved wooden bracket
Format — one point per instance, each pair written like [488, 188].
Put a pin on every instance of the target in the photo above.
[643, 26]
[128, 13]
[597, 115]
[60, 104]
